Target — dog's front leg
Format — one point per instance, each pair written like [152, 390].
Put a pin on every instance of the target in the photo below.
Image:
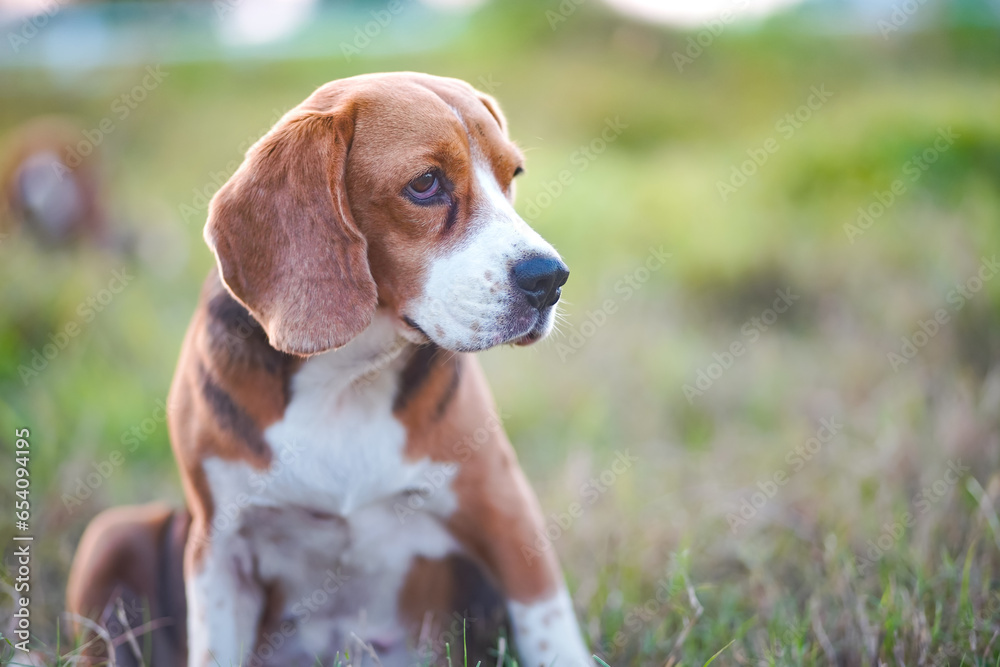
[501, 522]
[224, 600]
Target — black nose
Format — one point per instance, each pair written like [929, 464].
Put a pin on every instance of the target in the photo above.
[540, 279]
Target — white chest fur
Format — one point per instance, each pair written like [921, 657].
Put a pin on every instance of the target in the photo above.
[329, 500]
[338, 446]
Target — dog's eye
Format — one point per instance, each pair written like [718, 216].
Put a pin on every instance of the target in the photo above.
[518, 171]
[424, 187]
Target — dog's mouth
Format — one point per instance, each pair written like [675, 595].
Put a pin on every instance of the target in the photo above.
[530, 338]
[537, 328]
[537, 332]
[416, 327]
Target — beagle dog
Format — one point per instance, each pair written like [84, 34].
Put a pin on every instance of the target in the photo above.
[348, 482]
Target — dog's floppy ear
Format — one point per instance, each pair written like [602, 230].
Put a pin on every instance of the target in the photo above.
[494, 109]
[286, 243]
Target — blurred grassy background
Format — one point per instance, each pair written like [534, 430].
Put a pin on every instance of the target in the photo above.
[662, 568]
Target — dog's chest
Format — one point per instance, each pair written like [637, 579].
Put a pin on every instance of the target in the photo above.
[334, 508]
[338, 446]
[341, 450]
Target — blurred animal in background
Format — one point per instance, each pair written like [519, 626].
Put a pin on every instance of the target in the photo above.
[51, 192]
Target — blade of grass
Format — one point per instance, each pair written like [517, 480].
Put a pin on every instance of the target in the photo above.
[718, 653]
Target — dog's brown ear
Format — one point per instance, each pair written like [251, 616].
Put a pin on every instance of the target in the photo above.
[286, 243]
[494, 108]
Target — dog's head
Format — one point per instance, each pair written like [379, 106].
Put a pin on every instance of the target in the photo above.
[392, 191]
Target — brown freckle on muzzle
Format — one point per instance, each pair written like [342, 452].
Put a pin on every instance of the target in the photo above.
[488, 275]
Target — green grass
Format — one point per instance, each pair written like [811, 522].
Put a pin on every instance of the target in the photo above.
[658, 573]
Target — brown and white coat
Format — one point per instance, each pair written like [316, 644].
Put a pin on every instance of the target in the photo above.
[337, 439]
